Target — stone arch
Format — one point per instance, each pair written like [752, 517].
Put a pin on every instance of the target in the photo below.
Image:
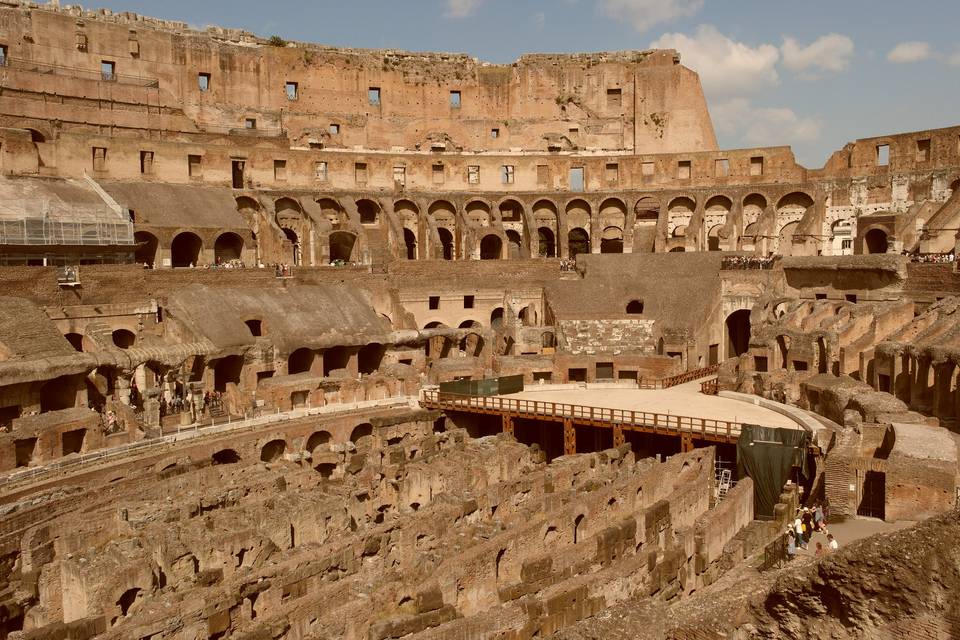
[447, 244]
[578, 241]
[225, 456]
[876, 241]
[444, 216]
[713, 237]
[316, 439]
[680, 231]
[612, 240]
[370, 357]
[491, 247]
[547, 242]
[635, 307]
[737, 329]
[124, 338]
[292, 245]
[301, 361]
[409, 244]
[228, 246]
[496, 318]
[146, 251]
[364, 430]
[273, 450]
[477, 213]
[613, 213]
[578, 528]
[407, 212]
[795, 201]
[546, 221]
[790, 210]
[342, 245]
[578, 213]
[128, 599]
[369, 211]
[76, 341]
[514, 244]
[528, 316]
[510, 210]
[331, 211]
[785, 247]
[647, 210]
[680, 213]
[185, 249]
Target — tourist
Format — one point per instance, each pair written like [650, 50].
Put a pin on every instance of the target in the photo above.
[791, 544]
[798, 531]
[820, 552]
[818, 522]
[807, 521]
[834, 545]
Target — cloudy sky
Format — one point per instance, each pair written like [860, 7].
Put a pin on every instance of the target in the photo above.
[814, 74]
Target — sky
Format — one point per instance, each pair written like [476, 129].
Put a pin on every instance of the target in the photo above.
[814, 74]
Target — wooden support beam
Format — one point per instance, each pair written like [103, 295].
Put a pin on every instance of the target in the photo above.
[618, 437]
[508, 424]
[686, 442]
[569, 437]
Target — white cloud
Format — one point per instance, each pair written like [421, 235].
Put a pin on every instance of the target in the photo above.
[727, 68]
[830, 53]
[460, 8]
[539, 20]
[763, 126]
[907, 52]
[643, 14]
[954, 60]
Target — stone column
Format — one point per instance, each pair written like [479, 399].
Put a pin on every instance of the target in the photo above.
[569, 437]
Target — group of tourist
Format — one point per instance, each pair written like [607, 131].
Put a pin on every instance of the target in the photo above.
[282, 270]
[568, 264]
[228, 264]
[747, 262]
[931, 258]
[806, 523]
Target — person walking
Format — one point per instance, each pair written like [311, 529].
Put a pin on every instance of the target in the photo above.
[818, 522]
[798, 532]
[834, 545]
[791, 544]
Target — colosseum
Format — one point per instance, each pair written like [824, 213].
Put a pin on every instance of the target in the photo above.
[302, 343]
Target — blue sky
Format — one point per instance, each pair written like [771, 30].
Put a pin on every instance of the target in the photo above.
[814, 74]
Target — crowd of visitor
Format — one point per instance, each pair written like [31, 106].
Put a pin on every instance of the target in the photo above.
[747, 262]
[807, 523]
[931, 258]
[568, 264]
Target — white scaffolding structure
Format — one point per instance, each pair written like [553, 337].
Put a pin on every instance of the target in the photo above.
[45, 223]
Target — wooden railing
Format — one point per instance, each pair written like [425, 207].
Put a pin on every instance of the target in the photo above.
[710, 387]
[706, 428]
[690, 376]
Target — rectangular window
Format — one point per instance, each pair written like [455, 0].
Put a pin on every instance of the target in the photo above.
[279, 169]
[923, 150]
[203, 81]
[434, 303]
[334, 129]
[883, 155]
[614, 98]
[683, 170]
[494, 133]
[250, 123]
[400, 176]
[360, 172]
[437, 171]
[108, 70]
[756, 166]
[647, 169]
[576, 179]
[850, 297]
[506, 174]
[721, 168]
[373, 96]
[613, 173]
[146, 162]
[99, 159]
[237, 168]
[455, 99]
[760, 364]
[195, 166]
[846, 244]
[473, 174]
[574, 131]
[468, 302]
[543, 175]
[292, 90]
[320, 170]
[3, 55]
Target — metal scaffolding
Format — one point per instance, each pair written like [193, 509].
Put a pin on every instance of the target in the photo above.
[38, 223]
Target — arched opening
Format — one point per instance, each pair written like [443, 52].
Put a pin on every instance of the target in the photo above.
[36, 136]
[528, 316]
[613, 213]
[496, 319]
[578, 215]
[228, 246]
[227, 370]
[472, 344]
[514, 244]
[369, 211]
[491, 247]
[76, 341]
[301, 361]
[635, 307]
[316, 439]
[332, 212]
[738, 333]
[715, 215]
[127, 600]
[511, 211]
[577, 529]
[146, 251]
[822, 355]
[225, 456]
[876, 241]
[677, 250]
[341, 247]
[291, 246]
[578, 241]
[364, 430]
[647, 210]
[713, 238]
[334, 359]
[547, 243]
[612, 240]
[370, 358]
[410, 242]
[255, 327]
[785, 246]
[123, 338]
[58, 394]
[477, 213]
[446, 242]
[273, 450]
[548, 340]
[185, 250]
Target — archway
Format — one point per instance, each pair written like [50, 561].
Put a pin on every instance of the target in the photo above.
[713, 238]
[228, 246]
[477, 213]
[146, 251]
[225, 456]
[300, 361]
[738, 333]
[123, 338]
[547, 243]
[446, 242]
[578, 241]
[514, 244]
[316, 439]
[273, 450]
[341, 246]
[75, 340]
[185, 249]
[57, 394]
[635, 307]
[292, 245]
[496, 319]
[227, 370]
[410, 242]
[370, 357]
[369, 211]
[491, 247]
[785, 247]
[612, 240]
[364, 430]
[335, 358]
[875, 241]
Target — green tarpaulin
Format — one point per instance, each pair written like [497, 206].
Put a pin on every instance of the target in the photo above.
[768, 455]
[486, 387]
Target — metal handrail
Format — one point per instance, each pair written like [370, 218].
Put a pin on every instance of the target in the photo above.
[75, 72]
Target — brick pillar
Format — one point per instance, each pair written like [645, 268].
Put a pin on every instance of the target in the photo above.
[508, 424]
[569, 437]
[618, 438]
[686, 442]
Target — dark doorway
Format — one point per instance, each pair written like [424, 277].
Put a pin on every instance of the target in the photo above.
[876, 241]
[300, 361]
[491, 247]
[73, 441]
[227, 370]
[237, 173]
[604, 371]
[446, 243]
[410, 241]
[514, 244]
[341, 246]
[185, 250]
[146, 251]
[548, 243]
[370, 357]
[738, 333]
[873, 495]
[335, 358]
[578, 242]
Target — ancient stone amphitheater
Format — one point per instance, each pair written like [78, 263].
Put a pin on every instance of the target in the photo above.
[303, 343]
